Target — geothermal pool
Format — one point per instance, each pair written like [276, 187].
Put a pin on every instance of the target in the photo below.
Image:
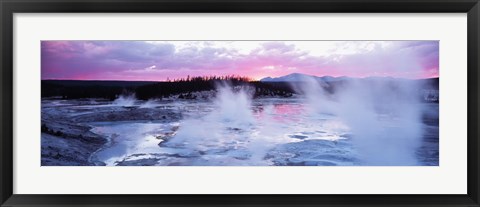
[234, 130]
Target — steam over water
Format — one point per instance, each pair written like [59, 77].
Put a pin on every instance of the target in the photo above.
[377, 122]
[128, 100]
[384, 117]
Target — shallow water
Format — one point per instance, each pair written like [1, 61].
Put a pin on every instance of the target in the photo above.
[271, 131]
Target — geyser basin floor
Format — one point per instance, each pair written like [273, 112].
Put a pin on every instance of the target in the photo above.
[274, 132]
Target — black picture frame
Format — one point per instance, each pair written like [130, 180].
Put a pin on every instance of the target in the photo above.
[10, 7]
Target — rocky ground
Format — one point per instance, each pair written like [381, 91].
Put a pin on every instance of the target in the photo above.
[67, 143]
[67, 139]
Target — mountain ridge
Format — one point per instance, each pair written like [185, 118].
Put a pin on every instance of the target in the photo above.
[296, 77]
[299, 77]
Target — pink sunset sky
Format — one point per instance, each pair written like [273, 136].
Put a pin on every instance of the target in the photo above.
[159, 60]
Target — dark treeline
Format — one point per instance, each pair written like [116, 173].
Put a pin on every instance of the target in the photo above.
[231, 78]
[75, 89]
[144, 90]
[72, 89]
[186, 85]
[52, 89]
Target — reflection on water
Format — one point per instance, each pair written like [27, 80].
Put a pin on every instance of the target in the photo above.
[127, 138]
[282, 132]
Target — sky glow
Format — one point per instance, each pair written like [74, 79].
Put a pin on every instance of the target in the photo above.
[162, 60]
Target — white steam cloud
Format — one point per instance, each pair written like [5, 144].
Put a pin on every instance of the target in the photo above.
[384, 116]
[125, 100]
[231, 128]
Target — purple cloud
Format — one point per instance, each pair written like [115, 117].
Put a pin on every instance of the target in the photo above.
[141, 60]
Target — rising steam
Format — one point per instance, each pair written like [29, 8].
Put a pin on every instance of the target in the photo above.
[231, 128]
[384, 116]
[125, 100]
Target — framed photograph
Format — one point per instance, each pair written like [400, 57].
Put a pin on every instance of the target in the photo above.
[239, 103]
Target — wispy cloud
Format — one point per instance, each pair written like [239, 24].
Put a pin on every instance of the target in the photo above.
[159, 60]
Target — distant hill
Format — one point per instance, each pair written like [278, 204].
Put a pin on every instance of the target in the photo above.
[429, 83]
[299, 77]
